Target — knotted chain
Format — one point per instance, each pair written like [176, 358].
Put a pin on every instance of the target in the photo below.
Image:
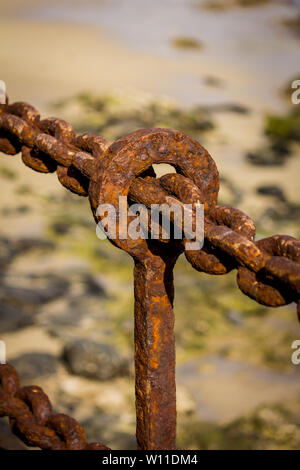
[32, 418]
[268, 270]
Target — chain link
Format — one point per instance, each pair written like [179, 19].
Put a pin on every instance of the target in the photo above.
[268, 270]
[32, 419]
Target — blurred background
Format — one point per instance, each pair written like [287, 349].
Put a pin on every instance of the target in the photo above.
[220, 71]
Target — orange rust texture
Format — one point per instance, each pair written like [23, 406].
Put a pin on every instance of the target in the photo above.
[268, 269]
[155, 354]
[32, 419]
[122, 162]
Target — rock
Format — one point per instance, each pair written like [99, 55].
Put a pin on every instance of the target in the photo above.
[52, 289]
[61, 228]
[12, 318]
[5, 252]
[24, 245]
[284, 210]
[54, 322]
[81, 305]
[271, 190]
[23, 209]
[118, 114]
[94, 360]
[269, 156]
[33, 365]
[12, 248]
[19, 304]
[93, 285]
[228, 108]
[28, 293]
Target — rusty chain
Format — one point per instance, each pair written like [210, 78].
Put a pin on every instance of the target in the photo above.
[32, 419]
[268, 270]
[88, 165]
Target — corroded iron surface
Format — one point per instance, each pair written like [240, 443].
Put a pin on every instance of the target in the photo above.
[268, 269]
[32, 419]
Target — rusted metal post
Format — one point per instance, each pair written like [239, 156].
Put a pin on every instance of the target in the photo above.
[155, 354]
[117, 169]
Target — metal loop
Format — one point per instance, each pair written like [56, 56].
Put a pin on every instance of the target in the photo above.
[73, 180]
[217, 256]
[135, 153]
[279, 282]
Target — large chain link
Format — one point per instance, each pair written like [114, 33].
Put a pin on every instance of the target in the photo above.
[268, 270]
